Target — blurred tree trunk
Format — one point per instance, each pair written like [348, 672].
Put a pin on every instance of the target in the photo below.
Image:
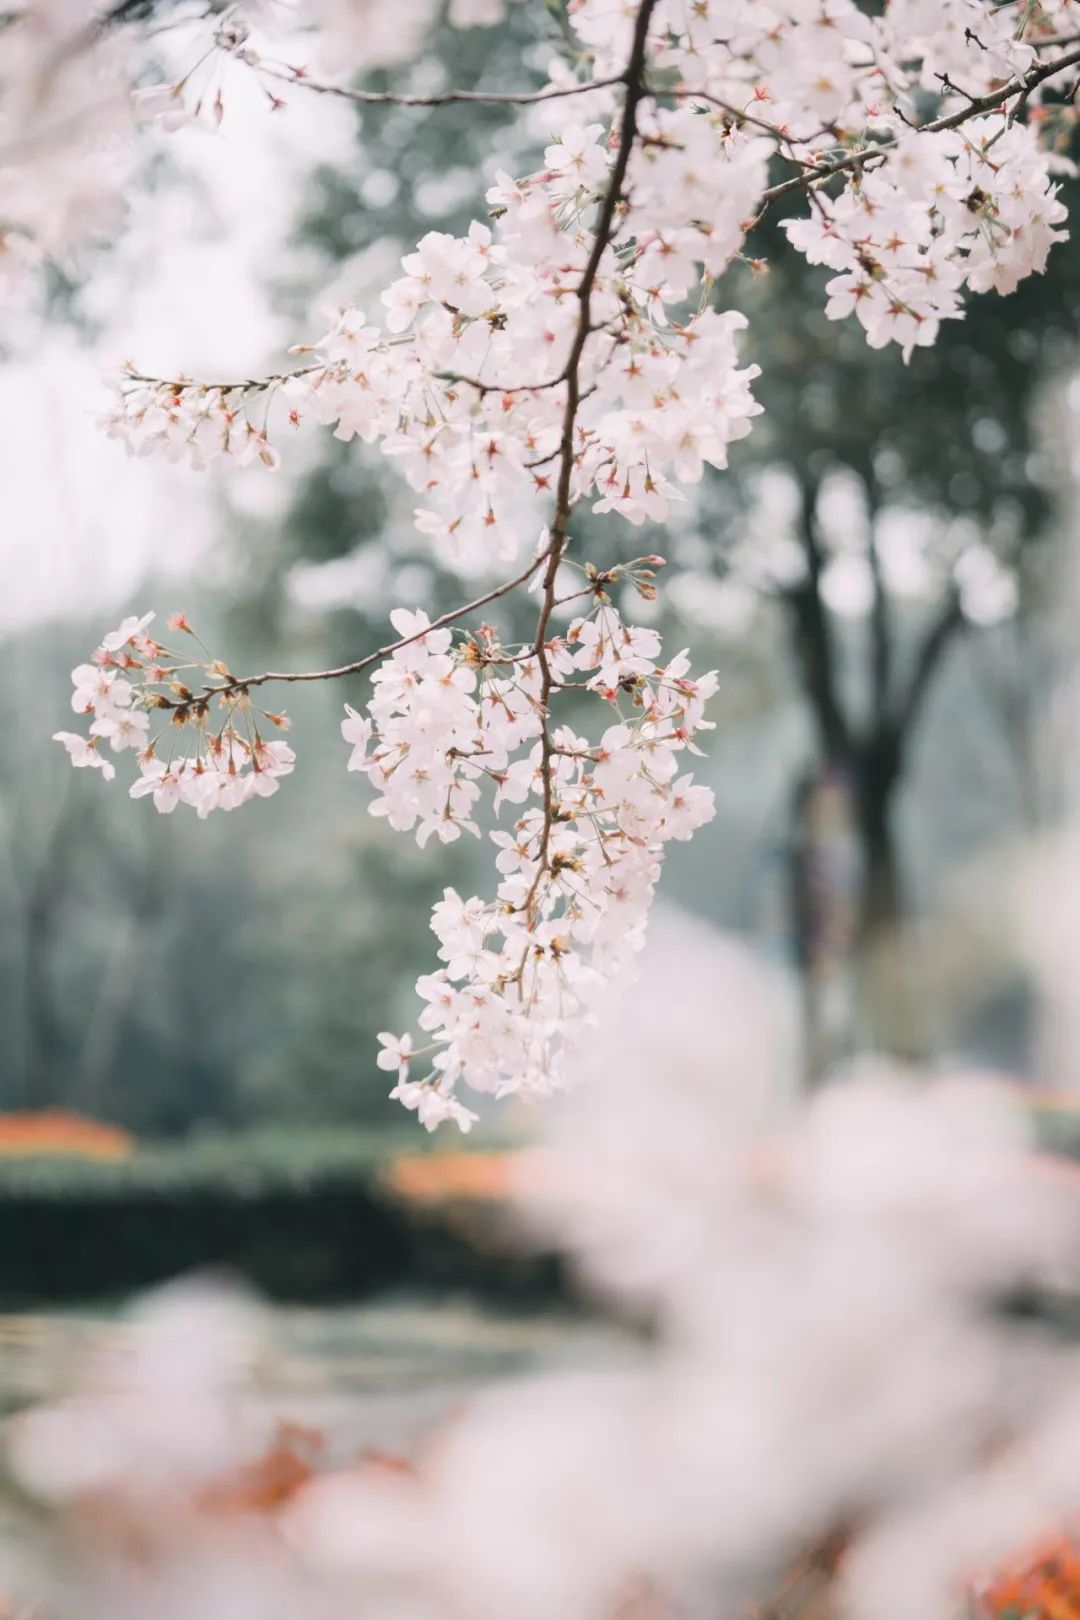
[850, 912]
[42, 894]
[882, 908]
[826, 887]
[889, 1012]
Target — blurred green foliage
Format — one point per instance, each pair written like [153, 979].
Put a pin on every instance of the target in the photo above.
[245, 1163]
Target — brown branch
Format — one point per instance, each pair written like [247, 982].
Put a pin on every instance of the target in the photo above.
[241, 683]
[635, 93]
[1024, 84]
[460, 379]
[202, 385]
[552, 555]
[1021, 86]
[445, 98]
[739, 115]
[809, 181]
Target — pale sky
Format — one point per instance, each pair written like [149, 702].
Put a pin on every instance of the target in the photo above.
[183, 290]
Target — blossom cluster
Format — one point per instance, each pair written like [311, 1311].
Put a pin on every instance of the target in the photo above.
[464, 383]
[974, 207]
[446, 722]
[206, 754]
[574, 347]
[818, 81]
[435, 390]
[524, 971]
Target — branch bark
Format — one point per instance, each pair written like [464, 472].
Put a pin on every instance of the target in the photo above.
[240, 683]
[445, 98]
[1021, 86]
[635, 92]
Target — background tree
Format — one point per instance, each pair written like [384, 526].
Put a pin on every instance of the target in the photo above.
[946, 460]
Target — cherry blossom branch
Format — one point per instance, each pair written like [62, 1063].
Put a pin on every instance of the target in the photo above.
[814, 175]
[445, 98]
[739, 115]
[636, 92]
[241, 683]
[247, 385]
[459, 379]
[637, 211]
[1023, 85]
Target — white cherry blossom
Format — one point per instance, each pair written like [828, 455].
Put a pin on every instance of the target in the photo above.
[521, 971]
[83, 752]
[574, 347]
[135, 682]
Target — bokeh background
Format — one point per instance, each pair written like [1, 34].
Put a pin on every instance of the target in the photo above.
[880, 579]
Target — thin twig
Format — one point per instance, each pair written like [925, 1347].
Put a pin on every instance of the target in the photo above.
[249, 385]
[738, 115]
[241, 683]
[1022, 86]
[445, 98]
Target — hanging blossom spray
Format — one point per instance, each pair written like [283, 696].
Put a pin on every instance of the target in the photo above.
[574, 348]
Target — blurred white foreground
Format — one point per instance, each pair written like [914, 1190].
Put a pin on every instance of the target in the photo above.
[831, 1394]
